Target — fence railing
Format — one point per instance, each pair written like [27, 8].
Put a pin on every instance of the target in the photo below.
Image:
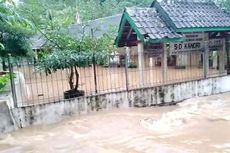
[34, 87]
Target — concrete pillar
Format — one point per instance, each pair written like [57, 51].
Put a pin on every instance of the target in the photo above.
[127, 63]
[36, 55]
[164, 64]
[206, 59]
[151, 62]
[215, 60]
[141, 63]
[222, 58]
[127, 52]
[227, 42]
[182, 60]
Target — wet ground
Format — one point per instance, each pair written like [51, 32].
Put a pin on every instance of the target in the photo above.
[200, 125]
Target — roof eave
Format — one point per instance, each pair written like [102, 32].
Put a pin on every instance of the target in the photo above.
[126, 17]
[202, 29]
[167, 40]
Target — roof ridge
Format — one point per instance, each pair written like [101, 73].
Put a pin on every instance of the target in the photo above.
[188, 2]
[106, 17]
[139, 8]
[102, 18]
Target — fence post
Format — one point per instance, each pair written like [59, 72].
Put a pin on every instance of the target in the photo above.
[95, 73]
[12, 81]
[222, 58]
[126, 68]
[206, 59]
[227, 42]
[164, 64]
[141, 63]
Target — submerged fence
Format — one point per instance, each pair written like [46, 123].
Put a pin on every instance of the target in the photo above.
[121, 73]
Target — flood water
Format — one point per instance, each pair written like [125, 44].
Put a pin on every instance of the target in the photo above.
[200, 125]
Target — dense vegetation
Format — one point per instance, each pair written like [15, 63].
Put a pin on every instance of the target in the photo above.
[15, 31]
[88, 9]
[224, 4]
[4, 79]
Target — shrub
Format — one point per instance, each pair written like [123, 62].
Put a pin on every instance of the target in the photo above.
[4, 79]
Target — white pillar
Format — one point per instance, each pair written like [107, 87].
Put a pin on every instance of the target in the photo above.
[206, 59]
[215, 60]
[151, 62]
[182, 60]
[222, 58]
[164, 64]
[128, 55]
[141, 63]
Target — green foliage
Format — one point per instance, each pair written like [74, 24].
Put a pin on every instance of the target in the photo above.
[1, 47]
[15, 30]
[225, 4]
[93, 9]
[66, 52]
[47, 13]
[4, 79]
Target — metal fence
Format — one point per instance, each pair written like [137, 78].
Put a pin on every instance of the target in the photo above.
[34, 87]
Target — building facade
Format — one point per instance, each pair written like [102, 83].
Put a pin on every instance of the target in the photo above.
[176, 34]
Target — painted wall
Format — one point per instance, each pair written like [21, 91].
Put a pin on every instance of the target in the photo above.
[21, 89]
[6, 120]
[162, 95]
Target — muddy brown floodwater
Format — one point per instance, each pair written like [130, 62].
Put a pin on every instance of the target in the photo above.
[200, 125]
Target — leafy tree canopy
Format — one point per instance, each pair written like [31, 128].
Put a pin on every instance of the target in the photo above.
[68, 53]
[64, 11]
[15, 30]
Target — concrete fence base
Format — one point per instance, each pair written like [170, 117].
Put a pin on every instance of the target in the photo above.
[161, 95]
[7, 123]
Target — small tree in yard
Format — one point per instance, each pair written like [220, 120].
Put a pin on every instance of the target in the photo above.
[70, 54]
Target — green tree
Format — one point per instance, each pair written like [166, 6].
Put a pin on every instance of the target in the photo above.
[66, 10]
[49, 14]
[224, 4]
[14, 32]
[68, 53]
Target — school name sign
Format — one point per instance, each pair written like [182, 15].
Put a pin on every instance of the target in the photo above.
[195, 42]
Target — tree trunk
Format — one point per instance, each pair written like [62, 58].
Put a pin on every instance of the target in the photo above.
[77, 78]
[4, 67]
[71, 83]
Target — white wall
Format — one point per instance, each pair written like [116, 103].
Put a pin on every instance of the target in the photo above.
[162, 95]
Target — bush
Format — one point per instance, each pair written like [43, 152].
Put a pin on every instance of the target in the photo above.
[4, 79]
[132, 65]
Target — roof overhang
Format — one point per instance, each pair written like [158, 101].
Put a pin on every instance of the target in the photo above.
[126, 18]
[203, 29]
[171, 17]
[166, 40]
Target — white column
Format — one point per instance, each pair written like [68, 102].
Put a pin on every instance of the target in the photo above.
[215, 60]
[164, 64]
[151, 62]
[206, 59]
[141, 63]
[128, 55]
[222, 58]
[182, 60]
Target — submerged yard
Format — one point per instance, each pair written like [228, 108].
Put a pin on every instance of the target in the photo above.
[40, 88]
